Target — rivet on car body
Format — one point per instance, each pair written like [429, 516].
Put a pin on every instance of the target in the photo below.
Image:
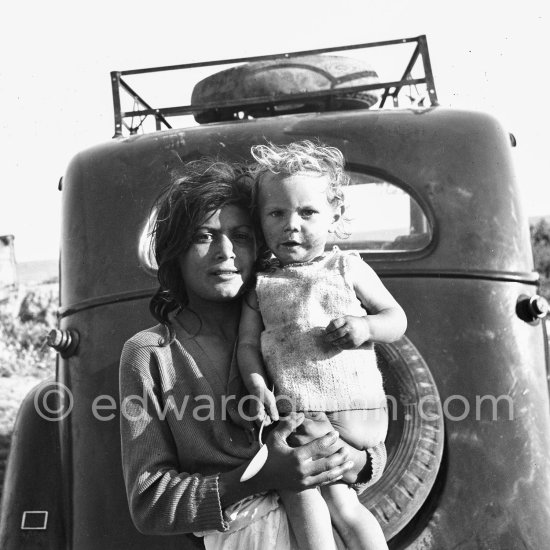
[63, 341]
[538, 305]
[532, 308]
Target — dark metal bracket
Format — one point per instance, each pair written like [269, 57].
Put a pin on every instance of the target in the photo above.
[391, 88]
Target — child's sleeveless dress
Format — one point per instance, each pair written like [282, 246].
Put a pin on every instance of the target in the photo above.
[297, 302]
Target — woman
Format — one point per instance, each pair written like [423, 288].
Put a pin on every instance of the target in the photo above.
[185, 436]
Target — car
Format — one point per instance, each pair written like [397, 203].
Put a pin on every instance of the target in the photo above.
[433, 208]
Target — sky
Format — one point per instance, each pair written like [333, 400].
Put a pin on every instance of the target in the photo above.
[486, 55]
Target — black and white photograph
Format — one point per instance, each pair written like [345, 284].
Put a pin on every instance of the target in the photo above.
[235, 236]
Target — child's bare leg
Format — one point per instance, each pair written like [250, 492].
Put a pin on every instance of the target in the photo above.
[309, 518]
[355, 524]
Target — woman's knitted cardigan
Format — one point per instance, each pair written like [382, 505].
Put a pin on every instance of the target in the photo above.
[178, 435]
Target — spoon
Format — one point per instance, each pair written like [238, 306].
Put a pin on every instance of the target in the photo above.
[258, 460]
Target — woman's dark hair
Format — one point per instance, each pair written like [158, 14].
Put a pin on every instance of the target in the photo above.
[197, 189]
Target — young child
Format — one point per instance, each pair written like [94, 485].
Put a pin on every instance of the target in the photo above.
[308, 330]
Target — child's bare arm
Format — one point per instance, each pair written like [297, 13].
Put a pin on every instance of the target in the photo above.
[249, 357]
[385, 320]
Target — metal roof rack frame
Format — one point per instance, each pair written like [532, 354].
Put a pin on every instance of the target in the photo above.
[161, 114]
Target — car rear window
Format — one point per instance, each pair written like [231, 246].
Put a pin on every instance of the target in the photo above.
[382, 217]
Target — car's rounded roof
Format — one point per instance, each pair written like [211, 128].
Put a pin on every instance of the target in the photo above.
[456, 164]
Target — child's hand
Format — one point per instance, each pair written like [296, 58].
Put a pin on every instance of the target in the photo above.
[348, 332]
[264, 404]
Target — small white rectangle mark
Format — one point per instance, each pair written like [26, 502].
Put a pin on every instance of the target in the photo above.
[34, 519]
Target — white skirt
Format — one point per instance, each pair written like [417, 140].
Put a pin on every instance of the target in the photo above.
[258, 522]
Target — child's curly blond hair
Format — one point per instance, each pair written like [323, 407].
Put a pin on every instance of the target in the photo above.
[304, 156]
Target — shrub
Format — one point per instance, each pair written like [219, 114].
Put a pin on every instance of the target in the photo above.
[24, 326]
[540, 240]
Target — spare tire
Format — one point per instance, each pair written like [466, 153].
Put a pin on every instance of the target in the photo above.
[415, 437]
[276, 78]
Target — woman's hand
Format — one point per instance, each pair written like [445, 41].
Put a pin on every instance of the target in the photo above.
[320, 461]
[316, 425]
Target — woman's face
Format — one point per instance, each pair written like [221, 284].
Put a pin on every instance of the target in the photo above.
[221, 256]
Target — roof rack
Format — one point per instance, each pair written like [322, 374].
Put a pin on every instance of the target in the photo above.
[390, 88]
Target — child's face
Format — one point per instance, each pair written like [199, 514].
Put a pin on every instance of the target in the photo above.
[295, 215]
